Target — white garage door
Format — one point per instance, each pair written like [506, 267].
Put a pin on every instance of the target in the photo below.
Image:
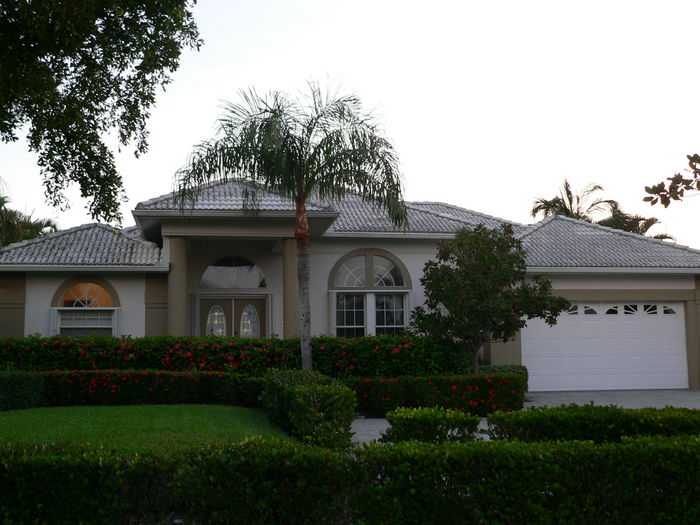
[608, 346]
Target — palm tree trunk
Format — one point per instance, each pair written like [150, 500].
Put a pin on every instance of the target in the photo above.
[302, 236]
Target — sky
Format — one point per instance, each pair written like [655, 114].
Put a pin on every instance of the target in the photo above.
[489, 105]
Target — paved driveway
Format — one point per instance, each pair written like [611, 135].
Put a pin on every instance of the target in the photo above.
[623, 398]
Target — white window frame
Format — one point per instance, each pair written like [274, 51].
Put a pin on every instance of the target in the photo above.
[370, 307]
[56, 317]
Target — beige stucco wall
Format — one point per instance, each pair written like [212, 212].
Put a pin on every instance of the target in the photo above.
[41, 287]
[156, 307]
[12, 304]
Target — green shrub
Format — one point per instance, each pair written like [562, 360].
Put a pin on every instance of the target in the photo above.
[650, 480]
[505, 369]
[376, 356]
[310, 406]
[20, 390]
[259, 481]
[475, 394]
[430, 425]
[640, 480]
[590, 422]
[69, 484]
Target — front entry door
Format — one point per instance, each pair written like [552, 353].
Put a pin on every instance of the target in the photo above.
[233, 317]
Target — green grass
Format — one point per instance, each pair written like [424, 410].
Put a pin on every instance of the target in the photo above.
[165, 429]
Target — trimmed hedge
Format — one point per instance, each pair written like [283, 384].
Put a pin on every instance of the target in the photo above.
[378, 356]
[590, 422]
[648, 480]
[430, 425]
[259, 481]
[644, 480]
[126, 387]
[312, 407]
[20, 390]
[475, 394]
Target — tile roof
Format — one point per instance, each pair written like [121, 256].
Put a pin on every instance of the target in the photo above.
[226, 196]
[88, 245]
[561, 242]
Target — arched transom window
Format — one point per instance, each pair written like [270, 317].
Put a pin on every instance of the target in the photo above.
[86, 309]
[233, 272]
[370, 288]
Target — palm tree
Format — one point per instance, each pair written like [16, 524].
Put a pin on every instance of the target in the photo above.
[16, 226]
[576, 206]
[633, 223]
[321, 146]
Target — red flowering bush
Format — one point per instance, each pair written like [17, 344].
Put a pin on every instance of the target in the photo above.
[126, 387]
[475, 394]
[387, 356]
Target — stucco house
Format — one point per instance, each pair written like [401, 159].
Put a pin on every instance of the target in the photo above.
[218, 268]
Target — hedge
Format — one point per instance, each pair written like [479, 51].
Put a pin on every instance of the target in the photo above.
[20, 390]
[430, 425]
[648, 480]
[125, 387]
[475, 394]
[643, 480]
[314, 408]
[590, 422]
[378, 356]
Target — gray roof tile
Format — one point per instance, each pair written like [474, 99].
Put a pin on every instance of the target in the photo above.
[226, 196]
[89, 245]
[561, 242]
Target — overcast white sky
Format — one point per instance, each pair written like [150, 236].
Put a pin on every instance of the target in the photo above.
[489, 104]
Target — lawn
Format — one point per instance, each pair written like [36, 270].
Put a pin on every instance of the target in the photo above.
[136, 428]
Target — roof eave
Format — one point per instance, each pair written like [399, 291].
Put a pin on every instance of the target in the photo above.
[612, 269]
[390, 235]
[159, 268]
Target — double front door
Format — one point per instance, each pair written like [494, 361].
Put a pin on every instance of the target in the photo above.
[233, 317]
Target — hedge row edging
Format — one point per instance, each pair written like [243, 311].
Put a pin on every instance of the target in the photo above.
[649, 480]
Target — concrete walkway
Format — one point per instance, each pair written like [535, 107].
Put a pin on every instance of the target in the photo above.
[622, 398]
[370, 429]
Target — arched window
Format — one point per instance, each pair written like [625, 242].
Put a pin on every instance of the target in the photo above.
[85, 308]
[370, 288]
[233, 272]
[216, 321]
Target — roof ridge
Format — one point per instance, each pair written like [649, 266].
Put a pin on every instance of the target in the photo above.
[221, 182]
[441, 215]
[454, 206]
[624, 233]
[531, 228]
[60, 233]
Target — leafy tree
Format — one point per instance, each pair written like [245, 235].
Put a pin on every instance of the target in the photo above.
[633, 223]
[677, 185]
[577, 206]
[16, 226]
[321, 146]
[476, 290]
[75, 70]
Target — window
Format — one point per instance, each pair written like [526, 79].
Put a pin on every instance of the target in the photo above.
[233, 272]
[86, 309]
[216, 321]
[250, 322]
[370, 289]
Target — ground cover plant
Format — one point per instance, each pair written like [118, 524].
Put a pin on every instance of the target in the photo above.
[158, 429]
[590, 422]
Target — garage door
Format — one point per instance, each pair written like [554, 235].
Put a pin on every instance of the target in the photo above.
[608, 346]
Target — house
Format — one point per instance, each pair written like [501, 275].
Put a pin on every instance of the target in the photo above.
[217, 268]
